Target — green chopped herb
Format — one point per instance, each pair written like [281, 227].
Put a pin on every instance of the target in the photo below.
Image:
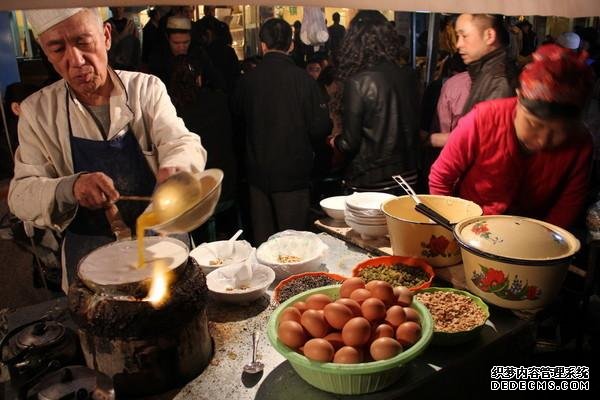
[395, 275]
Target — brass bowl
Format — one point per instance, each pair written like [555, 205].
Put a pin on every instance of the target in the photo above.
[185, 201]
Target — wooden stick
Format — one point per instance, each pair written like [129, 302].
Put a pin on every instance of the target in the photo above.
[136, 198]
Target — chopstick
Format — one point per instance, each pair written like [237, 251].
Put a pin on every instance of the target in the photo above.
[422, 207]
[432, 214]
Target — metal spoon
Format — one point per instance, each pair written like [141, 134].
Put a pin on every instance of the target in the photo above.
[255, 366]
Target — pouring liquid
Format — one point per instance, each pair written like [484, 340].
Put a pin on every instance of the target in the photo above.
[144, 221]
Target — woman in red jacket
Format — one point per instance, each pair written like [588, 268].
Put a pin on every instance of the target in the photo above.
[528, 155]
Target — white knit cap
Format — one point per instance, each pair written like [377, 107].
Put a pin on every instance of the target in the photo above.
[42, 20]
[179, 23]
[569, 40]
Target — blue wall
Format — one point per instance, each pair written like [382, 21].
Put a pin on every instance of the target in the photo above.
[9, 71]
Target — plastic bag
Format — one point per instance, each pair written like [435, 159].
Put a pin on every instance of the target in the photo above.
[314, 30]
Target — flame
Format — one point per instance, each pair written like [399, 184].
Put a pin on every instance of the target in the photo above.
[159, 287]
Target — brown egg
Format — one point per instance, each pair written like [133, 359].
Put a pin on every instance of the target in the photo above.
[395, 315]
[360, 295]
[337, 315]
[319, 350]
[291, 334]
[314, 323]
[373, 309]
[412, 314]
[404, 296]
[301, 306]
[384, 348]
[384, 292]
[335, 338]
[382, 330]
[290, 314]
[352, 305]
[371, 284]
[408, 333]
[356, 332]
[317, 301]
[347, 355]
[350, 285]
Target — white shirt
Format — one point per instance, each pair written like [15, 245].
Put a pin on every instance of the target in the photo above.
[43, 158]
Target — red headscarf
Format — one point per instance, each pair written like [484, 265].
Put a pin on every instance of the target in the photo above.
[557, 75]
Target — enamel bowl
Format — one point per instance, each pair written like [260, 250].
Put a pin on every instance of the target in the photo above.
[412, 234]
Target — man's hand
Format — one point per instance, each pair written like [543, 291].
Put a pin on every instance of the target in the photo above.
[95, 190]
[165, 172]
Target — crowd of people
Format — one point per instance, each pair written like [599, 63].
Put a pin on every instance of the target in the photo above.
[507, 129]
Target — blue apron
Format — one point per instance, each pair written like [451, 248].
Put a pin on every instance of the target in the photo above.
[123, 161]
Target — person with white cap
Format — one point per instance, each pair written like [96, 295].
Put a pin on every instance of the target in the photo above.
[93, 136]
[569, 40]
[180, 43]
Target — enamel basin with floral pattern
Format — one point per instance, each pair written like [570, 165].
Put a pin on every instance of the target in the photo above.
[412, 234]
[514, 262]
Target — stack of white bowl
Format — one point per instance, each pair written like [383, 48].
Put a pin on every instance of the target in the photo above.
[363, 214]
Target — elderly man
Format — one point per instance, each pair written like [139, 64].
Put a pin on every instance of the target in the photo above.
[482, 40]
[92, 136]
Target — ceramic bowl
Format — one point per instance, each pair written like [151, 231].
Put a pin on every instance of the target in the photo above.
[366, 201]
[306, 246]
[367, 232]
[366, 220]
[349, 378]
[261, 279]
[334, 207]
[207, 255]
[514, 262]
[412, 234]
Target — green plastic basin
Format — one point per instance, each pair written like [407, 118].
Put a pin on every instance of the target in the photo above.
[349, 378]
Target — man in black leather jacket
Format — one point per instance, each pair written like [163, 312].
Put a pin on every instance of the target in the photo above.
[284, 114]
[378, 106]
[482, 41]
[481, 44]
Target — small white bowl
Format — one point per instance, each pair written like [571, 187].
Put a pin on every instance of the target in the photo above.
[368, 231]
[213, 251]
[261, 279]
[334, 207]
[305, 245]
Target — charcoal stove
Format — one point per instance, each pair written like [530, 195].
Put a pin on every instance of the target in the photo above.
[145, 349]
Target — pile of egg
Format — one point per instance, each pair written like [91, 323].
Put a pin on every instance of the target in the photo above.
[369, 322]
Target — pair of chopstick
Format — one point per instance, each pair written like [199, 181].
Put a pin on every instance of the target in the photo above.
[422, 207]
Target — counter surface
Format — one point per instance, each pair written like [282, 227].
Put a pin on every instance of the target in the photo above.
[231, 328]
